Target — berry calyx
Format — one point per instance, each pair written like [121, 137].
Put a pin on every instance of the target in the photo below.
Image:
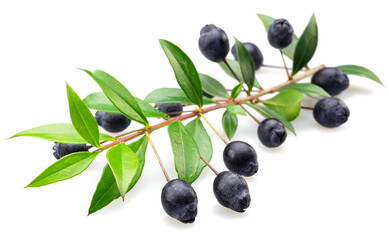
[179, 200]
[331, 79]
[171, 109]
[271, 132]
[254, 51]
[231, 191]
[241, 158]
[63, 149]
[112, 122]
[213, 43]
[331, 112]
[280, 33]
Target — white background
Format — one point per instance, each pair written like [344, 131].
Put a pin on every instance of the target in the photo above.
[320, 184]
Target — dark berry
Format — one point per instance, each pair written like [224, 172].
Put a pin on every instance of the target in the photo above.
[254, 51]
[207, 95]
[280, 33]
[179, 200]
[241, 158]
[112, 122]
[331, 112]
[232, 191]
[171, 109]
[271, 132]
[62, 149]
[331, 79]
[213, 43]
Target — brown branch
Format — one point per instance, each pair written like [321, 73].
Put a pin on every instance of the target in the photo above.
[294, 79]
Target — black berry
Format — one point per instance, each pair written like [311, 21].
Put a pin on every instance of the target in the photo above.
[331, 79]
[271, 132]
[62, 149]
[254, 51]
[207, 95]
[331, 112]
[213, 43]
[112, 122]
[171, 109]
[241, 158]
[232, 191]
[179, 200]
[280, 33]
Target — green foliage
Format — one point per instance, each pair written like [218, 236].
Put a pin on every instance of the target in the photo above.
[230, 123]
[82, 119]
[107, 189]
[236, 91]
[98, 101]
[171, 95]
[67, 167]
[236, 69]
[359, 71]
[213, 86]
[246, 64]
[185, 151]
[185, 72]
[286, 103]
[124, 165]
[232, 108]
[306, 88]
[59, 132]
[119, 96]
[306, 46]
[203, 141]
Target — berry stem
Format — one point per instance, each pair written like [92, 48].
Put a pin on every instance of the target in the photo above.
[157, 155]
[233, 73]
[209, 165]
[273, 66]
[307, 108]
[286, 68]
[217, 133]
[252, 116]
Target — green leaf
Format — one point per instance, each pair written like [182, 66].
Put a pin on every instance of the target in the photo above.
[306, 46]
[82, 119]
[359, 71]
[185, 151]
[246, 64]
[236, 68]
[286, 103]
[268, 113]
[59, 132]
[107, 188]
[213, 86]
[203, 141]
[236, 91]
[288, 51]
[98, 101]
[67, 167]
[124, 164]
[307, 88]
[119, 96]
[232, 108]
[171, 95]
[185, 72]
[230, 123]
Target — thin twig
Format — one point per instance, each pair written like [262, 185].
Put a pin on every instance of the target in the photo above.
[217, 133]
[233, 73]
[286, 68]
[209, 165]
[273, 66]
[159, 159]
[252, 116]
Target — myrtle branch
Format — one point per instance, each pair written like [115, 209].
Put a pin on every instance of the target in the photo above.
[237, 101]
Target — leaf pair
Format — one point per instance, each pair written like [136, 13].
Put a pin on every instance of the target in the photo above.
[188, 144]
